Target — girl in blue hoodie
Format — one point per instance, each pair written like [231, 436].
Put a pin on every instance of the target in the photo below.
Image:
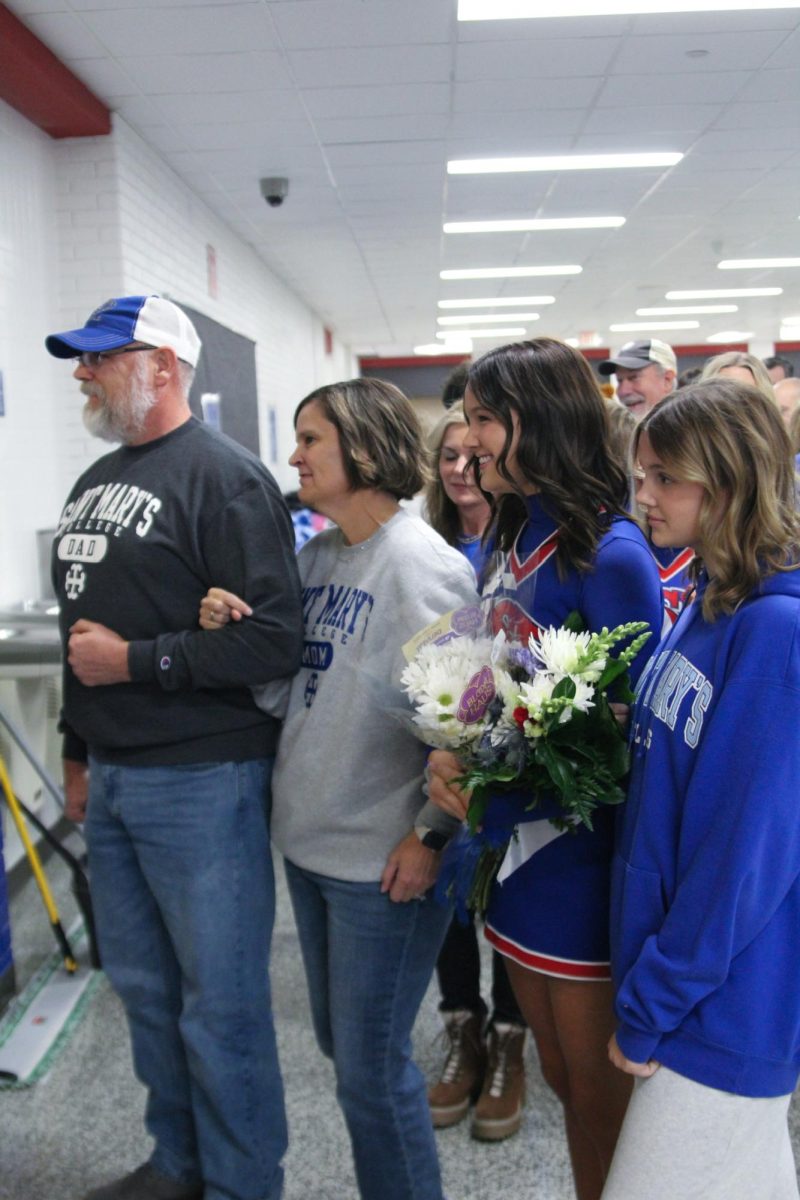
[706, 878]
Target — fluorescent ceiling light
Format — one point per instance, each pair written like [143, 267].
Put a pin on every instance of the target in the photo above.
[636, 326]
[508, 272]
[511, 10]
[534, 225]
[483, 333]
[795, 320]
[487, 318]
[747, 264]
[730, 335]
[723, 293]
[498, 302]
[560, 162]
[687, 312]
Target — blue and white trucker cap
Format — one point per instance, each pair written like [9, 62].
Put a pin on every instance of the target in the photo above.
[148, 319]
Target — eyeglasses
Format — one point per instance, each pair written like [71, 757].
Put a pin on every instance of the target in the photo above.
[96, 358]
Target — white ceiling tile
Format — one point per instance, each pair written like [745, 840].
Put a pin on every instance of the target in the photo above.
[23, 8]
[378, 64]
[526, 95]
[707, 87]
[787, 55]
[665, 55]
[735, 23]
[424, 176]
[230, 107]
[534, 60]
[248, 72]
[205, 29]
[776, 123]
[401, 154]
[543, 29]
[389, 100]
[348, 23]
[381, 129]
[106, 77]
[139, 111]
[498, 131]
[653, 118]
[272, 135]
[771, 85]
[67, 35]
[142, 6]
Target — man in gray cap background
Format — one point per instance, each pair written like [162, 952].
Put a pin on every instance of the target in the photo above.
[165, 753]
[646, 372]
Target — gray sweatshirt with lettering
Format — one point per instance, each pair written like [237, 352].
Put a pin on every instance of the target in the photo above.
[348, 779]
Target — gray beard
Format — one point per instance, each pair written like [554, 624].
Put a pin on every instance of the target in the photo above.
[125, 421]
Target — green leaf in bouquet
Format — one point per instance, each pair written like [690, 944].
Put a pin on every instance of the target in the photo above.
[614, 668]
[575, 622]
[565, 689]
[477, 804]
[558, 768]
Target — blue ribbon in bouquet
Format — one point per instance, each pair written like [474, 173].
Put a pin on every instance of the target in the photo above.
[471, 859]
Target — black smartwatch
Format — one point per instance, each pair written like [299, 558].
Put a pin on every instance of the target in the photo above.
[430, 838]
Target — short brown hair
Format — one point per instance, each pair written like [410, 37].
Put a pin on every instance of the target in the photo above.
[379, 433]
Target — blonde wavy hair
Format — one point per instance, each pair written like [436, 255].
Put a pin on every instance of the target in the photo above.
[738, 358]
[731, 440]
[441, 512]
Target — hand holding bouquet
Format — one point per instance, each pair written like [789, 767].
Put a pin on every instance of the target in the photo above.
[535, 718]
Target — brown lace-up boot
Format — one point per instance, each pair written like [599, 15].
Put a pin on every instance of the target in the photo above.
[498, 1113]
[463, 1071]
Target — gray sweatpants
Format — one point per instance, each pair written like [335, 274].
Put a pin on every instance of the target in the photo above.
[684, 1141]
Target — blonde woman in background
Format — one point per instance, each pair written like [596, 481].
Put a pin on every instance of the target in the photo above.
[484, 1062]
[741, 367]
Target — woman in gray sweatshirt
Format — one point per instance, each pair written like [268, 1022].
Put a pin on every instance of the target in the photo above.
[347, 789]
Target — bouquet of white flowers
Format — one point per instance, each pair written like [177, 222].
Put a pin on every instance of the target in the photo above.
[535, 718]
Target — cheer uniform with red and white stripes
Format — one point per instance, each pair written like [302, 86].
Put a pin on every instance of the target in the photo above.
[551, 913]
[676, 584]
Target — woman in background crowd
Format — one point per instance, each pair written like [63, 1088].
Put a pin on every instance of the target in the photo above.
[706, 895]
[484, 1061]
[742, 367]
[347, 788]
[538, 432]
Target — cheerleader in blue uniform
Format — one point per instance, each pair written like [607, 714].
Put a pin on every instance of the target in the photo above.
[538, 433]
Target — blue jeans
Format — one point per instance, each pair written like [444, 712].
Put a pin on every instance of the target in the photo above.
[184, 896]
[368, 962]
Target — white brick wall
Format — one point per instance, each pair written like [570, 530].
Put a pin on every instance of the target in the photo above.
[82, 220]
[29, 489]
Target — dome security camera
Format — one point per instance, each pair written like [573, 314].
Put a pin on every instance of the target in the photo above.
[274, 189]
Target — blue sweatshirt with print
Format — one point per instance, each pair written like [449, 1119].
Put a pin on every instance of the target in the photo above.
[706, 880]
